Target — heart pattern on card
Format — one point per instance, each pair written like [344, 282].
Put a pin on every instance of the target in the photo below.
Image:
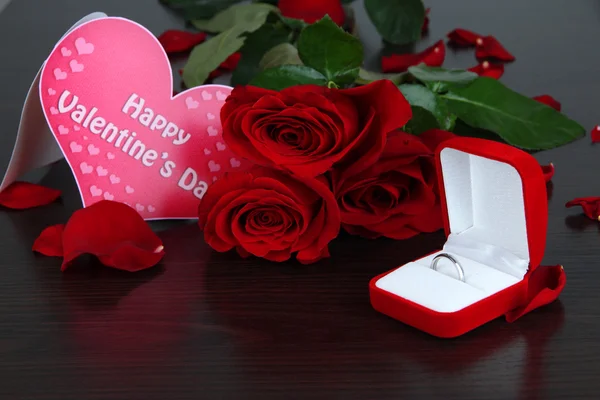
[75, 66]
[93, 150]
[75, 147]
[83, 47]
[107, 95]
[62, 130]
[59, 74]
[191, 103]
[86, 168]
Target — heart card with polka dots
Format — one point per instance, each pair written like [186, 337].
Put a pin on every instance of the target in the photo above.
[106, 91]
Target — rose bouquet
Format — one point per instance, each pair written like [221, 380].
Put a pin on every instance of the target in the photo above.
[325, 158]
[336, 146]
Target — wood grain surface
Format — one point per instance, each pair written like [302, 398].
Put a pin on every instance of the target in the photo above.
[209, 325]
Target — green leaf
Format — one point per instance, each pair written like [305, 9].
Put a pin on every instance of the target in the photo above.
[462, 129]
[428, 102]
[243, 16]
[437, 79]
[336, 54]
[365, 77]
[421, 121]
[397, 21]
[293, 23]
[207, 56]
[519, 120]
[284, 76]
[282, 54]
[198, 9]
[256, 45]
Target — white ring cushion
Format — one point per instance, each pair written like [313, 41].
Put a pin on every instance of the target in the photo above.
[488, 237]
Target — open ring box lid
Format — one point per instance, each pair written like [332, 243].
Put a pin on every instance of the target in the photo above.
[493, 199]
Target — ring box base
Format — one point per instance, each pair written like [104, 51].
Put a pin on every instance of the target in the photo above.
[494, 205]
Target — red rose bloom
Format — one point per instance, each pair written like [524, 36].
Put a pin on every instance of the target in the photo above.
[397, 197]
[307, 129]
[270, 214]
[313, 10]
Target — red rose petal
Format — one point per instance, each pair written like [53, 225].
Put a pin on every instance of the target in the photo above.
[464, 38]
[49, 243]
[590, 206]
[174, 41]
[231, 62]
[488, 69]
[270, 214]
[491, 48]
[595, 134]
[548, 171]
[549, 101]
[226, 66]
[23, 195]
[425, 26]
[395, 197]
[544, 286]
[389, 111]
[310, 11]
[111, 231]
[434, 137]
[433, 56]
[487, 46]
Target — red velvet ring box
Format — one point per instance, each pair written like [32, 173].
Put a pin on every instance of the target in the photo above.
[493, 199]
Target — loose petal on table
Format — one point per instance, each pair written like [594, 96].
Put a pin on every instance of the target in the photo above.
[544, 286]
[490, 47]
[491, 70]
[113, 232]
[49, 243]
[549, 101]
[487, 47]
[175, 41]
[595, 134]
[24, 195]
[590, 206]
[548, 171]
[226, 66]
[464, 38]
[433, 56]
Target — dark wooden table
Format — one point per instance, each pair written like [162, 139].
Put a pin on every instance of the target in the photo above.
[209, 325]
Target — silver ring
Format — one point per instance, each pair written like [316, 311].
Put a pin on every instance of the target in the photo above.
[459, 268]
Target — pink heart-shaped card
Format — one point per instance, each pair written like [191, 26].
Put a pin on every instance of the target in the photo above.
[106, 91]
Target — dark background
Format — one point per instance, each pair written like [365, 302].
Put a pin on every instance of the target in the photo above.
[209, 325]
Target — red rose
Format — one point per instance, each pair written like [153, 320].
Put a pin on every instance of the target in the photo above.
[270, 214]
[307, 129]
[397, 197]
[313, 10]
